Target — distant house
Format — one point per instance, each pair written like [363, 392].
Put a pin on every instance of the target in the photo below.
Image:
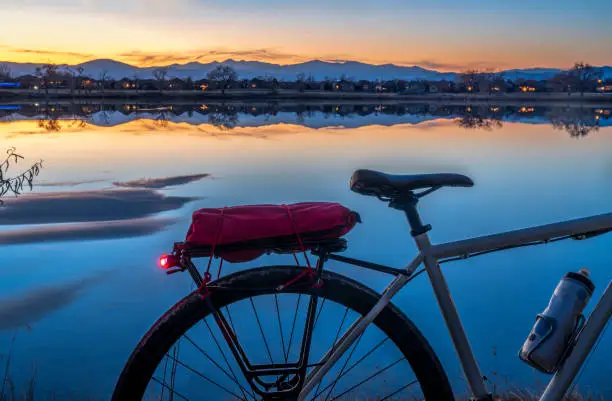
[343, 86]
[531, 86]
[365, 86]
[439, 86]
[499, 85]
[605, 87]
[176, 84]
[415, 88]
[85, 83]
[148, 84]
[202, 85]
[125, 83]
[260, 83]
[315, 86]
[29, 82]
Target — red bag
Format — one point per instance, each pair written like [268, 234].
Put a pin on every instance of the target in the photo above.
[243, 233]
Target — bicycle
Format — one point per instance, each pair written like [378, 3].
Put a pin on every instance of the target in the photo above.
[298, 378]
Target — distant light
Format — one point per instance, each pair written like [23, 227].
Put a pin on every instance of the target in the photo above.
[597, 117]
[35, 87]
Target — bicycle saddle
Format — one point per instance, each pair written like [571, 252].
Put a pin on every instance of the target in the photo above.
[374, 183]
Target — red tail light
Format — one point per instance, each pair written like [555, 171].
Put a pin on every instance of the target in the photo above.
[168, 261]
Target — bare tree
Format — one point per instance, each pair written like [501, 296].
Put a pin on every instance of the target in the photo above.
[300, 78]
[225, 120]
[5, 71]
[136, 78]
[46, 72]
[79, 70]
[73, 75]
[223, 74]
[468, 79]
[14, 185]
[103, 77]
[474, 80]
[585, 76]
[160, 75]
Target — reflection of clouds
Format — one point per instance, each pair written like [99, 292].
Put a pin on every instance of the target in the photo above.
[159, 183]
[68, 183]
[29, 307]
[85, 206]
[90, 231]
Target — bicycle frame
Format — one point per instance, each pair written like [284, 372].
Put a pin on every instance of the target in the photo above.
[432, 255]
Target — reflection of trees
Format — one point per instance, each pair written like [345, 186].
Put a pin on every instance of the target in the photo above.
[578, 122]
[224, 120]
[479, 118]
[575, 120]
[15, 184]
[51, 121]
[161, 120]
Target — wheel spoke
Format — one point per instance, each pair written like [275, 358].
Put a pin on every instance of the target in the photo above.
[223, 355]
[164, 385]
[293, 327]
[234, 378]
[367, 379]
[399, 390]
[353, 366]
[335, 340]
[173, 370]
[318, 314]
[229, 315]
[335, 382]
[203, 376]
[261, 330]
[280, 326]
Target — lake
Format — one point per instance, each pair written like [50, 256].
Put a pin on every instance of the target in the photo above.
[75, 300]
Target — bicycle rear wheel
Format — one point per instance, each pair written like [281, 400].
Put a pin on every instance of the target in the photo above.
[187, 356]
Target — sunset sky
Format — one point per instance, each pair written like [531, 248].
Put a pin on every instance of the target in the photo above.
[441, 34]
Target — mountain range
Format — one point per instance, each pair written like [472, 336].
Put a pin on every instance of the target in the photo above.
[315, 68]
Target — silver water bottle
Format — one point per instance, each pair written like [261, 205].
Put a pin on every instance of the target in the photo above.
[555, 329]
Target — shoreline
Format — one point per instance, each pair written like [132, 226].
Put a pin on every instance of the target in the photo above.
[14, 96]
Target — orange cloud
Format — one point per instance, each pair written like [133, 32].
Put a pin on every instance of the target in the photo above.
[163, 58]
[54, 53]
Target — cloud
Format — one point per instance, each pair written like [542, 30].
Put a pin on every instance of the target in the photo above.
[207, 55]
[30, 307]
[159, 183]
[67, 183]
[101, 230]
[438, 65]
[46, 52]
[87, 206]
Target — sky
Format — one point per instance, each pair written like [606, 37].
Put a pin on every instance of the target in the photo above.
[446, 35]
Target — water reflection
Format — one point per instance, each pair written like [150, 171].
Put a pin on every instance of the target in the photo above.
[31, 306]
[486, 118]
[578, 120]
[160, 155]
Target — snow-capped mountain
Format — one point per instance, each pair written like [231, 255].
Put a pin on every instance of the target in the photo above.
[316, 68]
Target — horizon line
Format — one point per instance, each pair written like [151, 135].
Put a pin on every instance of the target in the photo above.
[407, 65]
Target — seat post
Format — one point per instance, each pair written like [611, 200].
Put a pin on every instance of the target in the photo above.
[408, 204]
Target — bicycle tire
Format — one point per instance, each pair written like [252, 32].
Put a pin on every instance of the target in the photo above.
[168, 329]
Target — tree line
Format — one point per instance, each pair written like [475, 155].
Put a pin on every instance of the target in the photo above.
[581, 78]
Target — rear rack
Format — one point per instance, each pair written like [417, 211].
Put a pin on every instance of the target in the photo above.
[187, 249]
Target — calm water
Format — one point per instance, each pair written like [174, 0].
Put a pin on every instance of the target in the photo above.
[75, 307]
